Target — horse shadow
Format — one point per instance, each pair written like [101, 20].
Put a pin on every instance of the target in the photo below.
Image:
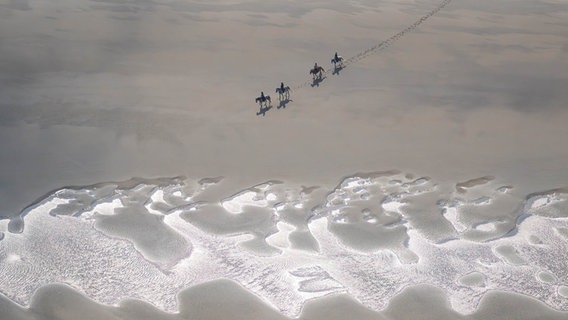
[263, 110]
[316, 82]
[283, 103]
[337, 69]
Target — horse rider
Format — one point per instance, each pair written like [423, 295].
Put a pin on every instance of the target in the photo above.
[282, 87]
[262, 97]
[336, 57]
[316, 66]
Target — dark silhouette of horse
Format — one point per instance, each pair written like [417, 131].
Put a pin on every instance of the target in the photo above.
[337, 69]
[263, 110]
[263, 100]
[265, 104]
[283, 93]
[317, 72]
[283, 103]
[337, 61]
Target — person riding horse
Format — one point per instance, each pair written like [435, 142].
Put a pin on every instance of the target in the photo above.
[337, 59]
[317, 71]
[263, 100]
[283, 92]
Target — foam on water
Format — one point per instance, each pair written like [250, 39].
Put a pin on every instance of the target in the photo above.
[370, 237]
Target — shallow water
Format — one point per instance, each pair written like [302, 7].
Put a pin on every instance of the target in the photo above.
[371, 237]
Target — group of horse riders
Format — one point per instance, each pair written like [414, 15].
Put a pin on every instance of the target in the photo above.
[284, 91]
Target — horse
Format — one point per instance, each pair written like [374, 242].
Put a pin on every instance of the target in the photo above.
[283, 93]
[317, 72]
[337, 61]
[263, 100]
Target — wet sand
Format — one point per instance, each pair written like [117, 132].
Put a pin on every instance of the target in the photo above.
[419, 302]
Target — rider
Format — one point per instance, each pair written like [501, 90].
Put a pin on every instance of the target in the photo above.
[316, 66]
[336, 58]
[262, 96]
[281, 86]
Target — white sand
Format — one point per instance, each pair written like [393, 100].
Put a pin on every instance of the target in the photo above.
[98, 91]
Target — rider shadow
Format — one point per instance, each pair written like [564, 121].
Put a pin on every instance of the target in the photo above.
[337, 69]
[263, 110]
[283, 103]
[316, 82]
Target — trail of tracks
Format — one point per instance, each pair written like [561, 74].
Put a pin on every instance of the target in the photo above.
[385, 43]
